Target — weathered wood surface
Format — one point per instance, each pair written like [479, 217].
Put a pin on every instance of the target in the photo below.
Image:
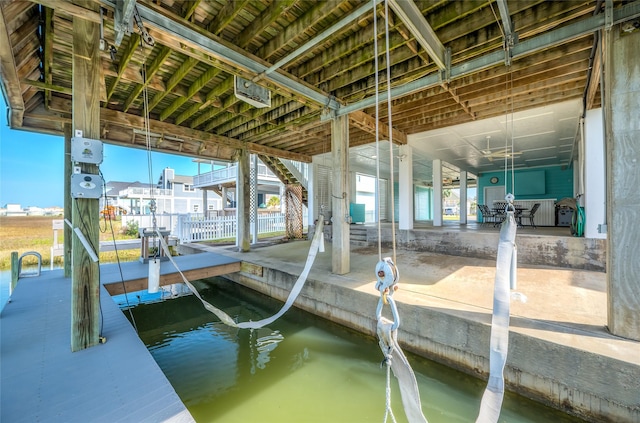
[190, 84]
[85, 276]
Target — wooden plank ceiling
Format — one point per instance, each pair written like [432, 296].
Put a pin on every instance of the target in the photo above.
[189, 89]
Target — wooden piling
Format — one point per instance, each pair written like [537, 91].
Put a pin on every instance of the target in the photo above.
[85, 279]
[15, 271]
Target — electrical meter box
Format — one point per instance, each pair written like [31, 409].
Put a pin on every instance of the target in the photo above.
[84, 185]
[86, 150]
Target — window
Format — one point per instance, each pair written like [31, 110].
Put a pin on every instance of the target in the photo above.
[188, 188]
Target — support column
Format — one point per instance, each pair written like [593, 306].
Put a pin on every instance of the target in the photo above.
[622, 103]
[463, 197]
[85, 278]
[253, 199]
[405, 188]
[224, 197]
[205, 210]
[340, 195]
[243, 201]
[437, 192]
[68, 233]
[594, 179]
[311, 199]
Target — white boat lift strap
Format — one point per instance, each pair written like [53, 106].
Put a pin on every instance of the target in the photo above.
[316, 244]
[499, 344]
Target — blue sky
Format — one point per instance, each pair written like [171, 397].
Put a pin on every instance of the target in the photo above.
[32, 166]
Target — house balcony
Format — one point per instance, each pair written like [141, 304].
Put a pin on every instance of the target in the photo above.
[227, 177]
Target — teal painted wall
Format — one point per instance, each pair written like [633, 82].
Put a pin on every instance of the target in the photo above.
[423, 203]
[558, 183]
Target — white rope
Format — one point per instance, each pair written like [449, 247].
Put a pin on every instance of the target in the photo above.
[388, 411]
[295, 291]
[377, 83]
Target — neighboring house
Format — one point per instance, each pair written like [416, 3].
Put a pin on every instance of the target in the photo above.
[173, 194]
[13, 210]
[17, 210]
[451, 204]
[34, 211]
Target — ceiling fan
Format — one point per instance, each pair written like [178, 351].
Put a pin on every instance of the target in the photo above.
[500, 153]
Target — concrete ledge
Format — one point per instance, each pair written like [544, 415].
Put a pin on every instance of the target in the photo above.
[557, 251]
[592, 386]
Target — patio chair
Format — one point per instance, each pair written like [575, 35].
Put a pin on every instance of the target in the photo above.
[488, 216]
[500, 212]
[530, 215]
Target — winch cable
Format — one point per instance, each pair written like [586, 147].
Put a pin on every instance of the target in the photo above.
[505, 280]
[387, 273]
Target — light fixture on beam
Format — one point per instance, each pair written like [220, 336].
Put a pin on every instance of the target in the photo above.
[251, 92]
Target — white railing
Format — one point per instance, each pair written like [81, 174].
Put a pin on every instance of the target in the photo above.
[168, 221]
[193, 229]
[219, 176]
[228, 174]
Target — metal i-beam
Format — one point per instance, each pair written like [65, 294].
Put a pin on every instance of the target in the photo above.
[506, 18]
[411, 16]
[507, 27]
[523, 48]
[122, 19]
[214, 47]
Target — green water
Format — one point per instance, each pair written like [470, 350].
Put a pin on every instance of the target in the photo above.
[301, 369]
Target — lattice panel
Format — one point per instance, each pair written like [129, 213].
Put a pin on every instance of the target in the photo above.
[293, 217]
[253, 194]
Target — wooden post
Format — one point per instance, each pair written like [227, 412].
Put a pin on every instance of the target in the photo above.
[14, 271]
[622, 83]
[85, 281]
[68, 234]
[340, 258]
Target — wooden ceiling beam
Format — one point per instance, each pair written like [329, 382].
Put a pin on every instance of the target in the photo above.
[116, 118]
[225, 125]
[226, 15]
[173, 81]
[301, 29]
[151, 70]
[266, 18]
[137, 122]
[266, 121]
[368, 124]
[194, 88]
[134, 41]
[47, 59]
[10, 78]
[71, 9]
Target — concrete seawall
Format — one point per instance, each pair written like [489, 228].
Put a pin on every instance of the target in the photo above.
[548, 250]
[575, 368]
